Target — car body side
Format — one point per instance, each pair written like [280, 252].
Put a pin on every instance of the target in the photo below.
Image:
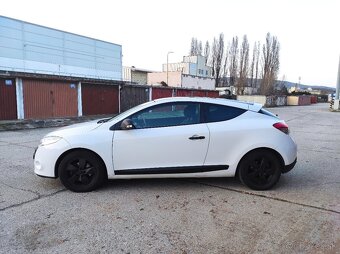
[228, 142]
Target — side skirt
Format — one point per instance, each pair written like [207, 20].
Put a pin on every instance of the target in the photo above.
[171, 170]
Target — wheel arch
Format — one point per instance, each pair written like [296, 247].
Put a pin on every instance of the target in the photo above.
[267, 149]
[62, 156]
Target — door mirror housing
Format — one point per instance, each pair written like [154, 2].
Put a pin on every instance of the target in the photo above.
[127, 125]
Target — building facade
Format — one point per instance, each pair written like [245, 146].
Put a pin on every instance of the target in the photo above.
[48, 73]
[191, 65]
[180, 80]
[135, 75]
[30, 48]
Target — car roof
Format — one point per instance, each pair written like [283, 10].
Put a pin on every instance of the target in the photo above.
[232, 103]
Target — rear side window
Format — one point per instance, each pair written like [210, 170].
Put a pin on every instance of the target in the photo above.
[218, 113]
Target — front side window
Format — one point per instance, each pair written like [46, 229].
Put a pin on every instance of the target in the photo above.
[218, 113]
[166, 115]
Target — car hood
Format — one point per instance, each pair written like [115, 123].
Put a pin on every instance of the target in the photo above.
[75, 129]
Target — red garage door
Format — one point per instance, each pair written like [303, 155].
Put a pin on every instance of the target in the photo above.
[47, 98]
[100, 99]
[8, 105]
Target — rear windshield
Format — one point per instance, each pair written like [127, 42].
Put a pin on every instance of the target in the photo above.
[268, 113]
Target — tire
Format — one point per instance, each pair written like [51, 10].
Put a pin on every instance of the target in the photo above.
[259, 170]
[82, 171]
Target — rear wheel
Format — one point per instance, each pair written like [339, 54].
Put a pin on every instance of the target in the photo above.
[259, 170]
[81, 171]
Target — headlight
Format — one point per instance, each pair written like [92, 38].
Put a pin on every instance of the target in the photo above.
[49, 140]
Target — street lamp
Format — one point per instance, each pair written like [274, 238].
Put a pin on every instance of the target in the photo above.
[167, 67]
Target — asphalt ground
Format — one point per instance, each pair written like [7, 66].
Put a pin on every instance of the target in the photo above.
[300, 215]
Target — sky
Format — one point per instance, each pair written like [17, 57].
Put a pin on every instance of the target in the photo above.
[308, 30]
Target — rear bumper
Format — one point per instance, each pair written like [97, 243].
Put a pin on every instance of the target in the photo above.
[289, 167]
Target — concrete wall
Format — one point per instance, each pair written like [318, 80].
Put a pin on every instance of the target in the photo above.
[268, 101]
[139, 77]
[197, 82]
[253, 98]
[177, 79]
[292, 100]
[276, 101]
[298, 100]
[157, 77]
[126, 73]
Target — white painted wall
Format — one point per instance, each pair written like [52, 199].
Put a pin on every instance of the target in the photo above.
[198, 82]
[253, 98]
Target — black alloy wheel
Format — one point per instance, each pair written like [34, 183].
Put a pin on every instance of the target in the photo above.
[82, 171]
[260, 170]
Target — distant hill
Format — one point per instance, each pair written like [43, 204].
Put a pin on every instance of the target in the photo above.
[301, 86]
[225, 81]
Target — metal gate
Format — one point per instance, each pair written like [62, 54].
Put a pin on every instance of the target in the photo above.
[131, 96]
[8, 105]
[158, 92]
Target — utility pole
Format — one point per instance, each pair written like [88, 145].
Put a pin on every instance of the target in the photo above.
[338, 83]
[336, 103]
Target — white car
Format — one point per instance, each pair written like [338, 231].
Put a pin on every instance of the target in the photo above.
[171, 137]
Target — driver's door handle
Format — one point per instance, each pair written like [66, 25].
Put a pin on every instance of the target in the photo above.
[194, 137]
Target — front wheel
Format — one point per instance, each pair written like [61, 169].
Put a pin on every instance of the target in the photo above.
[259, 170]
[81, 171]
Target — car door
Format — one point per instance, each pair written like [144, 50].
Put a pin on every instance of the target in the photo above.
[226, 132]
[166, 138]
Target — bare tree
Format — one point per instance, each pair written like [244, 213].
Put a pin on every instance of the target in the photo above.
[212, 57]
[270, 64]
[281, 88]
[217, 57]
[206, 52]
[244, 65]
[192, 46]
[254, 67]
[199, 48]
[225, 66]
[196, 47]
[257, 63]
[233, 60]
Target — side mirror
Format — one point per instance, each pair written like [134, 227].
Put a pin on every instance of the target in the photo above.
[127, 125]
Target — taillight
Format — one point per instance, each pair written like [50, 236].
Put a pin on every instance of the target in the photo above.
[282, 127]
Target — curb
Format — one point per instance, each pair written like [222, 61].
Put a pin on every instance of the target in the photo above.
[46, 123]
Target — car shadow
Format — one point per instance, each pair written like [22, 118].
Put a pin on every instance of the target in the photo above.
[173, 183]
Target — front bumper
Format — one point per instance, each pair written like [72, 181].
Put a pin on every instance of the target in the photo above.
[289, 167]
[45, 158]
